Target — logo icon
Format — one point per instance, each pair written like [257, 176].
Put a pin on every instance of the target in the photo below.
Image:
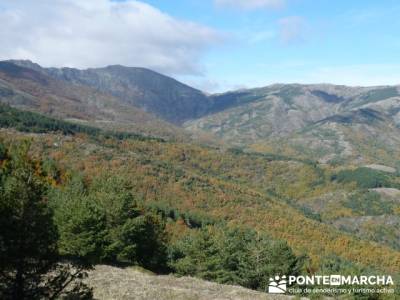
[277, 285]
[335, 280]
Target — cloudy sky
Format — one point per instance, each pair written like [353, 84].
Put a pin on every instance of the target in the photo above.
[215, 45]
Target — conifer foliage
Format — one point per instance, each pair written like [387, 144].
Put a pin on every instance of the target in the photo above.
[233, 256]
[29, 260]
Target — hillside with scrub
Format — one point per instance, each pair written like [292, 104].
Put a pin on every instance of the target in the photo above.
[223, 215]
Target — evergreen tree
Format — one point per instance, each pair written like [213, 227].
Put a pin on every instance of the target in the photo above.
[102, 223]
[29, 267]
[233, 256]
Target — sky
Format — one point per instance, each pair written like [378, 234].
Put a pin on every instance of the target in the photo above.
[213, 45]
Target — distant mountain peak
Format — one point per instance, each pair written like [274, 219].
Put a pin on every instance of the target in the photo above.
[25, 63]
[142, 88]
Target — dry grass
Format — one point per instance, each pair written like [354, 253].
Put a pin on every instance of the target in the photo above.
[132, 283]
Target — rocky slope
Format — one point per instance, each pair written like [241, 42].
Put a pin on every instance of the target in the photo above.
[327, 123]
[324, 122]
[32, 89]
[142, 88]
[282, 109]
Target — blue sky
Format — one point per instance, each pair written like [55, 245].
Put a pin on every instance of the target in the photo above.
[343, 42]
[215, 45]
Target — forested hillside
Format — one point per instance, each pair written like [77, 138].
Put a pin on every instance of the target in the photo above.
[199, 150]
[332, 124]
[204, 211]
[286, 179]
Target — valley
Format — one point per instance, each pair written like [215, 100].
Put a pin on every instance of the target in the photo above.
[314, 166]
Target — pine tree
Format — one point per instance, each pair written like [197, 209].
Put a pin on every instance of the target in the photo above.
[29, 267]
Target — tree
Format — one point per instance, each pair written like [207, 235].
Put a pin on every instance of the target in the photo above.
[102, 223]
[81, 224]
[140, 240]
[333, 264]
[233, 256]
[197, 254]
[29, 267]
[266, 258]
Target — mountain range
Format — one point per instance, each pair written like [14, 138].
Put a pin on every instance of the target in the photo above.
[315, 165]
[323, 122]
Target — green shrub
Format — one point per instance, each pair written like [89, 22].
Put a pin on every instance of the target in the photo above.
[368, 203]
[364, 178]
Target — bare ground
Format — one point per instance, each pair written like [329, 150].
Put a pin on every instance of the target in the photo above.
[388, 192]
[131, 283]
[381, 168]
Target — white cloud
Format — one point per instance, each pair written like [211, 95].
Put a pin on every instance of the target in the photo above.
[292, 29]
[94, 33]
[250, 4]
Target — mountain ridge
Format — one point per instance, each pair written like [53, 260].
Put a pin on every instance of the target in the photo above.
[316, 166]
[139, 87]
[279, 115]
[34, 90]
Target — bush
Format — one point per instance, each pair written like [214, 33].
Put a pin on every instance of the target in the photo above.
[364, 178]
[368, 203]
